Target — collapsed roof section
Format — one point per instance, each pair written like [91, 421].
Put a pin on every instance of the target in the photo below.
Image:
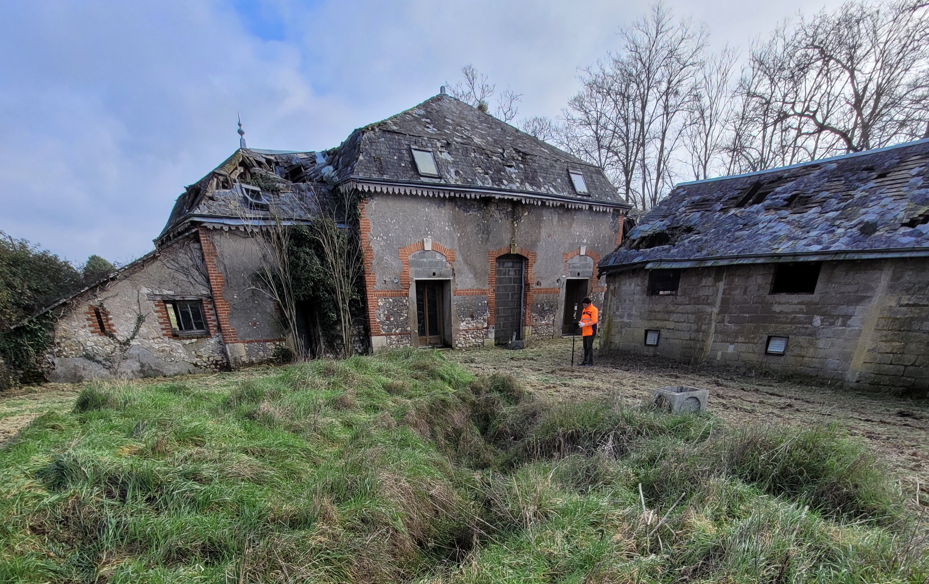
[858, 206]
[254, 187]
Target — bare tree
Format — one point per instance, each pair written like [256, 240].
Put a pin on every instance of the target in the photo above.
[710, 111]
[476, 89]
[633, 109]
[543, 128]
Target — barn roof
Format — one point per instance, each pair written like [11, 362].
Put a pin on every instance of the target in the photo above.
[858, 206]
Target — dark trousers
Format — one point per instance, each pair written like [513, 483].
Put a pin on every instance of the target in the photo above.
[588, 350]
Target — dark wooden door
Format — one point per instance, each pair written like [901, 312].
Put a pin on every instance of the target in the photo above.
[430, 312]
[574, 292]
[508, 315]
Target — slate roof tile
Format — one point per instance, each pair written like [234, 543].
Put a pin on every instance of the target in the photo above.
[868, 202]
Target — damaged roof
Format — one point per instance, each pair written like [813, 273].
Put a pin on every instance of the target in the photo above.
[472, 149]
[858, 206]
[252, 183]
[475, 155]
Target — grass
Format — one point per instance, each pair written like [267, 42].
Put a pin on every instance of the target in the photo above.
[406, 468]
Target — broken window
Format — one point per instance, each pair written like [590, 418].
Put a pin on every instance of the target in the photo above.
[577, 179]
[186, 317]
[254, 198]
[663, 282]
[425, 162]
[797, 278]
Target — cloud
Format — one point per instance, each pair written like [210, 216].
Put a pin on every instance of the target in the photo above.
[107, 109]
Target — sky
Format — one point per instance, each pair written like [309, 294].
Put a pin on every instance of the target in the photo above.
[109, 109]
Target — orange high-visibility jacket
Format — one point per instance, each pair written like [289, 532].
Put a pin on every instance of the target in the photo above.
[588, 320]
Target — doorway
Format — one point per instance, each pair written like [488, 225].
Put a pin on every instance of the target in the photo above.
[430, 312]
[508, 317]
[574, 292]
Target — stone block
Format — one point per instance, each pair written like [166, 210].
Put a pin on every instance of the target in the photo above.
[681, 399]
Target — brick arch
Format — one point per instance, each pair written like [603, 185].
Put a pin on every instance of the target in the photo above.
[407, 251]
[585, 251]
[492, 281]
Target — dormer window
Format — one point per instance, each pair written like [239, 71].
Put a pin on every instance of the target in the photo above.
[577, 179]
[254, 198]
[425, 162]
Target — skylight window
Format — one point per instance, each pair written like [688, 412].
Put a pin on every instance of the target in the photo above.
[577, 179]
[425, 162]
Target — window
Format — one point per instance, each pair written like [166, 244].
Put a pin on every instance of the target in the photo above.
[663, 282]
[186, 317]
[577, 179]
[254, 198]
[425, 162]
[776, 346]
[799, 278]
[100, 322]
[651, 337]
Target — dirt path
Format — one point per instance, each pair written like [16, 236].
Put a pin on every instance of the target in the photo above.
[19, 408]
[897, 428]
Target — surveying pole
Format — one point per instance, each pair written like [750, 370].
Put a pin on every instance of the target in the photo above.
[573, 333]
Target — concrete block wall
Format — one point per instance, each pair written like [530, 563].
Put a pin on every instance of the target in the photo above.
[406, 238]
[866, 323]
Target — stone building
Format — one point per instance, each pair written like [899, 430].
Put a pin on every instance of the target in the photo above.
[820, 268]
[472, 233]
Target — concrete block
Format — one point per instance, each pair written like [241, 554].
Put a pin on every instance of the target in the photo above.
[681, 399]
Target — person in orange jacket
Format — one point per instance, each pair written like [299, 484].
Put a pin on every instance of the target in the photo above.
[588, 324]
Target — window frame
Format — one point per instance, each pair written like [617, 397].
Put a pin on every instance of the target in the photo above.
[579, 175]
[767, 345]
[175, 316]
[414, 150]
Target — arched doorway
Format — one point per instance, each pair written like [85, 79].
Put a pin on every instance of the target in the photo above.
[510, 296]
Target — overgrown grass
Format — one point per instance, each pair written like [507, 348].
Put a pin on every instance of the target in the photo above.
[406, 468]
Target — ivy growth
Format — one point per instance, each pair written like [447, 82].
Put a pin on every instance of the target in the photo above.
[23, 348]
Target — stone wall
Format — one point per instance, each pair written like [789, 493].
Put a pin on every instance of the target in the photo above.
[867, 323]
[137, 339]
[406, 238]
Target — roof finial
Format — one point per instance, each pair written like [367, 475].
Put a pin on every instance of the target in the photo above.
[241, 133]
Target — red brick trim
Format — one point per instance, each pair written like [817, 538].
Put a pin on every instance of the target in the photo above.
[390, 293]
[367, 260]
[217, 281]
[527, 281]
[592, 255]
[407, 251]
[547, 291]
[619, 234]
[95, 325]
[472, 292]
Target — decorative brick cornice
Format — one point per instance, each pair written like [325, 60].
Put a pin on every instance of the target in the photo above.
[217, 282]
[527, 282]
